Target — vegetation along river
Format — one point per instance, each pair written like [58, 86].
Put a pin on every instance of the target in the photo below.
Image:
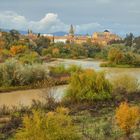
[25, 97]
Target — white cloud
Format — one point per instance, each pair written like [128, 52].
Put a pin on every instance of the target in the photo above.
[49, 23]
[10, 19]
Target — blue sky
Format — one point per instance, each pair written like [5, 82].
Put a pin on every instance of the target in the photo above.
[87, 16]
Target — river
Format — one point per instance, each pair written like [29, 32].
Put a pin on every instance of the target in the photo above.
[25, 97]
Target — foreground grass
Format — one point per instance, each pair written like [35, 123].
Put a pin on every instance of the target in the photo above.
[91, 123]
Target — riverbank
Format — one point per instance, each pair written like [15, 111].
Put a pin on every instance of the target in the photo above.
[112, 65]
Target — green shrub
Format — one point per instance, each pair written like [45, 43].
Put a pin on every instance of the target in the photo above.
[8, 73]
[13, 73]
[30, 58]
[88, 85]
[74, 68]
[32, 74]
[61, 69]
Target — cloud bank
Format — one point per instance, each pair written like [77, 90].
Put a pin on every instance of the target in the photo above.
[48, 24]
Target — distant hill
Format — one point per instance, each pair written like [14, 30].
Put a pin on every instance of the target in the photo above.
[59, 33]
[21, 32]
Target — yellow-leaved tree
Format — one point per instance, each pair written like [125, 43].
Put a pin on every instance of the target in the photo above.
[51, 126]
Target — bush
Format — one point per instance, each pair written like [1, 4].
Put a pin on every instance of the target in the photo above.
[115, 55]
[30, 74]
[74, 68]
[18, 49]
[127, 117]
[5, 54]
[52, 126]
[125, 84]
[30, 58]
[8, 71]
[61, 69]
[88, 85]
[13, 73]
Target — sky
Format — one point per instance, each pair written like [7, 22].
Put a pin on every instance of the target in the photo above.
[87, 16]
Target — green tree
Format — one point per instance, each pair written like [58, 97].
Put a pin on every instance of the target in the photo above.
[71, 31]
[129, 40]
[11, 38]
[41, 42]
[137, 45]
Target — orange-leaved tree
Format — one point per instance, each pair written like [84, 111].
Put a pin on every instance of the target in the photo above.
[127, 117]
[17, 49]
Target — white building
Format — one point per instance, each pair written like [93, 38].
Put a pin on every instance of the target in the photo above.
[56, 40]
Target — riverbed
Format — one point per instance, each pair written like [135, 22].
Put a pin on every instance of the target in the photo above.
[25, 97]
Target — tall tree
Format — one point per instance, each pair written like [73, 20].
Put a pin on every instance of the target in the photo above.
[10, 38]
[129, 40]
[137, 44]
[71, 31]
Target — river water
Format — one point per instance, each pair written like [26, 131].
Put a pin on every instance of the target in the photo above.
[25, 97]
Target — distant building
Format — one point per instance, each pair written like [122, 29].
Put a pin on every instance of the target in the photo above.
[31, 35]
[101, 38]
[60, 39]
[104, 37]
[47, 35]
[81, 39]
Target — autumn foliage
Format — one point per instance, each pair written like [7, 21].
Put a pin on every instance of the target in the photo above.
[127, 117]
[17, 49]
[55, 125]
[55, 51]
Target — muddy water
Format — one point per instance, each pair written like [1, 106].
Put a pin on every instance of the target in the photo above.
[25, 97]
